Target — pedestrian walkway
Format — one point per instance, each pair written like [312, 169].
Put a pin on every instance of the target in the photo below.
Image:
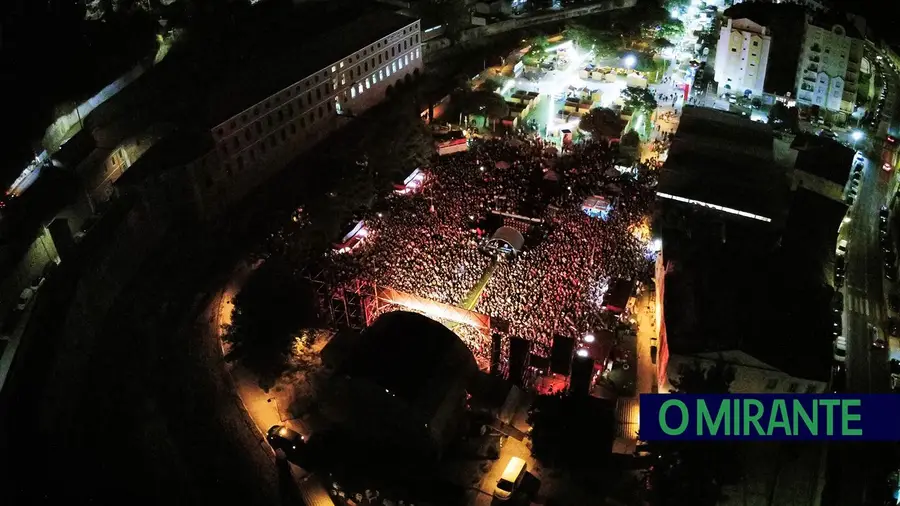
[860, 304]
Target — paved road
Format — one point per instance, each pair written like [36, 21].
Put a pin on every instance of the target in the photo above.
[864, 300]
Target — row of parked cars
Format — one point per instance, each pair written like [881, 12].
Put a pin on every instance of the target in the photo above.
[26, 296]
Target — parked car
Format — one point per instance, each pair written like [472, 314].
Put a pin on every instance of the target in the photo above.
[24, 298]
[839, 349]
[837, 325]
[837, 302]
[886, 244]
[842, 247]
[38, 282]
[876, 337]
[893, 326]
[883, 214]
[838, 378]
[283, 438]
[895, 375]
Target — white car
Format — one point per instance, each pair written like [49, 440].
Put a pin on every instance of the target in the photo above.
[839, 348]
[842, 247]
[24, 298]
[877, 337]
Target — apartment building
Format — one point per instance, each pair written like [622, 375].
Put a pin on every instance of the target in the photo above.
[742, 56]
[829, 67]
[260, 125]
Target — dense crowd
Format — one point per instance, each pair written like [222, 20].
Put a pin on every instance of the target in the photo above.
[429, 244]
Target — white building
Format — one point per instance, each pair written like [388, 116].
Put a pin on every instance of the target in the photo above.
[258, 130]
[812, 5]
[751, 376]
[742, 56]
[828, 68]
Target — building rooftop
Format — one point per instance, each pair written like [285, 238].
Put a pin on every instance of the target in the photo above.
[175, 150]
[823, 157]
[768, 299]
[828, 20]
[723, 159]
[278, 55]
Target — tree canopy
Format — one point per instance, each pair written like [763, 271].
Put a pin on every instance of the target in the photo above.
[271, 307]
[681, 5]
[694, 470]
[783, 117]
[698, 380]
[639, 99]
[397, 143]
[602, 123]
[482, 102]
[566, 429]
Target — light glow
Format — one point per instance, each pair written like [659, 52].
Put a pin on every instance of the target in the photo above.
[724, 209]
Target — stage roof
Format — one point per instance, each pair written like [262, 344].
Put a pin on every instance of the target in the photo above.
[510, 236]
[408, 354]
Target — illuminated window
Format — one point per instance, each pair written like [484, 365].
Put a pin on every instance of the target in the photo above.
[342, 64]
[417, 52]
[406, 59]
[353, 92]
[334, 68]
[400, 64]
[368, 84]
[381, 75]
[360, 90]
[393, 66]
[387, 71]
[343, 79]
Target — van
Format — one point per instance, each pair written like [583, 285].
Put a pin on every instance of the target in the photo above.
[510, 479]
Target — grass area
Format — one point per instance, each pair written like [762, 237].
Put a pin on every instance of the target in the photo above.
[469, 302]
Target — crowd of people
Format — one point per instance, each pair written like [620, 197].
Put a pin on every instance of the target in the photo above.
[429, 244]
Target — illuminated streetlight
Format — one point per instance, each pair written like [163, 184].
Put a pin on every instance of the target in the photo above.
[857, 136]
[589, 338]
[629, 61]
[582, 353]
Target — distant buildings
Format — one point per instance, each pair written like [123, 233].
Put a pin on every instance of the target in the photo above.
[259, 125]
[829, 66]
[742, 55]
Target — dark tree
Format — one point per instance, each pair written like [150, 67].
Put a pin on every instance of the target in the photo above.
[602, 123]
[397, 143]
[698, 380]
[574, 433]
[639, 99]
[695, 470]
[272, 306]
[784, 118]
[484, 103]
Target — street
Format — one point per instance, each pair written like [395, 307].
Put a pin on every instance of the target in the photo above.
[864, 299]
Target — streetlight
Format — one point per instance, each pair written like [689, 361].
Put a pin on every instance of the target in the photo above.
[629, 61]
[856, 135]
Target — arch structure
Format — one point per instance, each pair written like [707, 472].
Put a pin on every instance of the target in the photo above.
[507, 240]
